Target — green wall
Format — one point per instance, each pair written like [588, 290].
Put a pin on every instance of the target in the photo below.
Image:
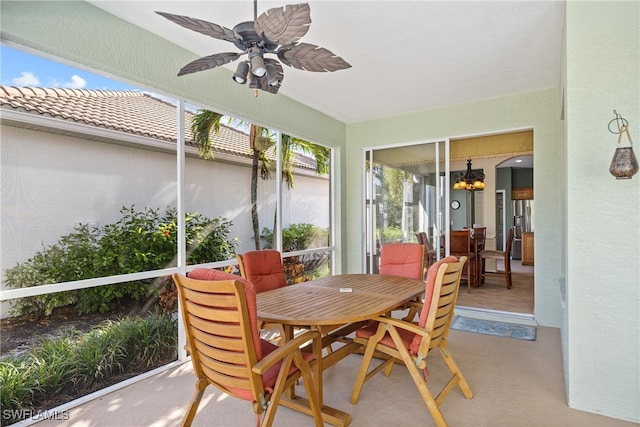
[539, 111]
[602, 316]
[521, 178]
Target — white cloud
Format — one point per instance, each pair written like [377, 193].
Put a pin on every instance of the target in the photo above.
[76, 82]
[27, 78]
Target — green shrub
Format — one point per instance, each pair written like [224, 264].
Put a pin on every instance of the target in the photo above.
[392, 234]
[63, 368]
[298, 237]
[139, 241]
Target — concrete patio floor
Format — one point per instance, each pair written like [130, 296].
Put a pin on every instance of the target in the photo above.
[516, 383]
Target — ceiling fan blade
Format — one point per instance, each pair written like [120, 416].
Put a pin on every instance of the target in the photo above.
[284, 25]
[203, 27]
[305, 56]
[208, 62]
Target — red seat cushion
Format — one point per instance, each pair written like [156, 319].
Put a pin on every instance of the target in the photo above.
[269, 377]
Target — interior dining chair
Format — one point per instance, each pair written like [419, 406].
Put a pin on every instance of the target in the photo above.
[429, 250]
[460, 245]
[220, 320]
[265, 271]
[406, 260]
[504, 256]
[479, 243]
[411, 343]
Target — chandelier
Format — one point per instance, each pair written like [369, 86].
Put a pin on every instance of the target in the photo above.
[469, 181]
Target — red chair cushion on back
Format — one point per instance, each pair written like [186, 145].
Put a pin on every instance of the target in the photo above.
[428, 296]
[249, 292]
[402, 259]
[264, 269]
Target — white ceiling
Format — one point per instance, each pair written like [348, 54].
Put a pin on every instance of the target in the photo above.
[405, 55]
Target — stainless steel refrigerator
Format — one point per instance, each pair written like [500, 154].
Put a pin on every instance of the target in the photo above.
[522, 223]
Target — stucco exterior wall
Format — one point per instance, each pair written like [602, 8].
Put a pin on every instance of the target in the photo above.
[52, 182]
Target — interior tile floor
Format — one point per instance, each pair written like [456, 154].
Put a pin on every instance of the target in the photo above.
[494, 295]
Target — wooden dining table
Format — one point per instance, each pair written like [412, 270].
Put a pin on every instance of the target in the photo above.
[336, 306]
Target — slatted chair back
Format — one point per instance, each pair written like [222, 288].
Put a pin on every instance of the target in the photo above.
[220, 320]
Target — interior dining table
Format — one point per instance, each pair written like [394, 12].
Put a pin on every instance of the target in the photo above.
[335, 306]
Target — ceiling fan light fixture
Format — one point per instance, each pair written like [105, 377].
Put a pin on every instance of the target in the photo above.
[257, 61]
[240, 76]
[275, 32]
[272, 75]
[254, 82]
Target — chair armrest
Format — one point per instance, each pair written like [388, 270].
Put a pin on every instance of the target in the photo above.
[281, 352]
[407, 326]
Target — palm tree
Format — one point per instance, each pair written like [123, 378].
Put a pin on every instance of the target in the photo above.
[260, 140]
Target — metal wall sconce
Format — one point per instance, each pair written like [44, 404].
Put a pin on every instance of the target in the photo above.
[624, 163]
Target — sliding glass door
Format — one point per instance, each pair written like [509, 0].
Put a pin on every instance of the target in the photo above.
[404, 193]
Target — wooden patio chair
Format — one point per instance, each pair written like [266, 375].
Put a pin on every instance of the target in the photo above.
[220, 319]
[265, 271]
[411, 343]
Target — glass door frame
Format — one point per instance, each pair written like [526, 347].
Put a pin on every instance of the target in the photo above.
[369, 202]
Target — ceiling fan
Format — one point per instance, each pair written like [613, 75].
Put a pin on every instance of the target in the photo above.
[275, 31]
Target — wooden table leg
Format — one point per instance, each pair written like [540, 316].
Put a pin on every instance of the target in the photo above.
[330, 415]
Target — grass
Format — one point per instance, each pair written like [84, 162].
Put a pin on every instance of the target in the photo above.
[62, 368]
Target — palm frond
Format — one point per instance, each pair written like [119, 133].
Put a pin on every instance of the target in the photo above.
[202, 124]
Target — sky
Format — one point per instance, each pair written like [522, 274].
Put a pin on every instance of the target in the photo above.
[18, 68]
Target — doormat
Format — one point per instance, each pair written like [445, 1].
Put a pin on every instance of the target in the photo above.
[490, 327]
